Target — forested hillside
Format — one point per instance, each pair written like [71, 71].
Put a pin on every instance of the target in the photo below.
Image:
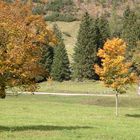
[70, 10]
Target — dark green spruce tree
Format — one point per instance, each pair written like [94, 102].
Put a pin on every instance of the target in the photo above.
[61, 66]
[103, 33]
[46, 62]
[115, 21]
[47, 57]
[131, 28]
[85, 51]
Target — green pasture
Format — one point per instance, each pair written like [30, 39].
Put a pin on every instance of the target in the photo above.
[42, 117]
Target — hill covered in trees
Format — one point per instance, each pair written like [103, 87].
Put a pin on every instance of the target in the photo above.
[70, 10]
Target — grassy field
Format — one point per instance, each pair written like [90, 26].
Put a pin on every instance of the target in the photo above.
[80, 87]
[42, 117]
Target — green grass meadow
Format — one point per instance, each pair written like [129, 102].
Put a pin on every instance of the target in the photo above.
[91, 87]
[43, 117]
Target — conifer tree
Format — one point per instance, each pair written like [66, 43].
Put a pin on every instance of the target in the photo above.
[136, 59]
[130, 31]
[85, 50]
[61, 66]
[115, 22]
[103, 33]
[47, 59]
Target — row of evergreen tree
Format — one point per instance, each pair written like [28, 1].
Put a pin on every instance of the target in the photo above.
[91, 37]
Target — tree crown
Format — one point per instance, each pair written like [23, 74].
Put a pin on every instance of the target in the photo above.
[115, 70]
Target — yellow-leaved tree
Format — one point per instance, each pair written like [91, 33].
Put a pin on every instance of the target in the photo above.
[115, 70]
[21, 34]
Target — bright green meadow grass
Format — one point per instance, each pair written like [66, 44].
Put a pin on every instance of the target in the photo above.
[42, 117]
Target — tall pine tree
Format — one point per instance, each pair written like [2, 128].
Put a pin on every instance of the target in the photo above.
[115, 22]
[85, 50]
[47, 57]
[61, 66]
[46, 62]
[130, 31]
[103, 33]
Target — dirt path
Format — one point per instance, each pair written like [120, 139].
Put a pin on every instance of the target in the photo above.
[72, 94]
[68, 94]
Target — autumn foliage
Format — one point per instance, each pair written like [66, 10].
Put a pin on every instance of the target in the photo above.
[115, 70]
[21, 34]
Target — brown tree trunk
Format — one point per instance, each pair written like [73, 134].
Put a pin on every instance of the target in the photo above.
[138, 87]
[117, 104]
[2, 92]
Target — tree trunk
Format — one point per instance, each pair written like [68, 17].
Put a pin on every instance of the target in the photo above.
[117, 99]
[2, 92]
[139, 87]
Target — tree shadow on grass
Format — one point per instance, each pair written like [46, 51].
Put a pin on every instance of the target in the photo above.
[133, 115]
[41, 128]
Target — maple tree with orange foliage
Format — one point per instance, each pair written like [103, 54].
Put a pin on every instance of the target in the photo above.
[20, 34]
[115, 70]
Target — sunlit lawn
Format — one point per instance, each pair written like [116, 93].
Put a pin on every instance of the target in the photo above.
[42, 117]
